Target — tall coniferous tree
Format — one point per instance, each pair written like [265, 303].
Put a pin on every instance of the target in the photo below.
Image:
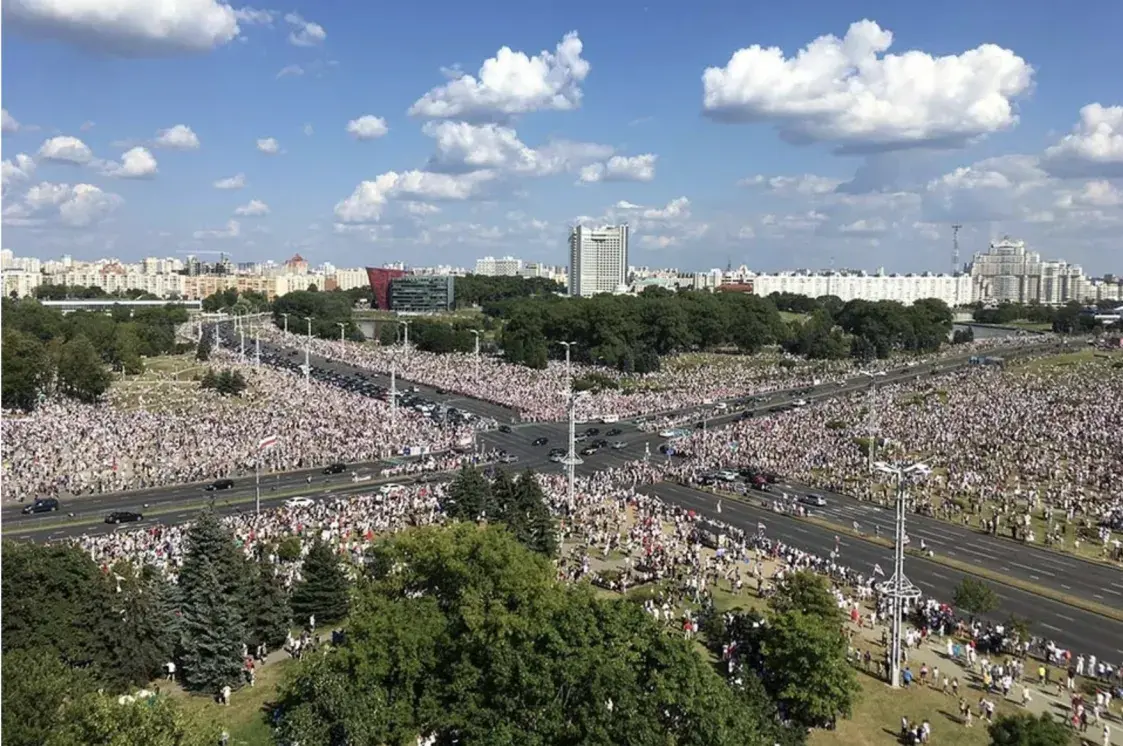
[213, 634]
[324, 590]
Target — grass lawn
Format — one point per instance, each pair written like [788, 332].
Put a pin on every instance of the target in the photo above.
[789, 316]
[244, 719]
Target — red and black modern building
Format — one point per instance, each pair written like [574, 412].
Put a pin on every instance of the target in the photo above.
[380, 278]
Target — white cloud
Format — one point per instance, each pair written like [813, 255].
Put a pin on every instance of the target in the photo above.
[179, 137]
[621, 168]
[367, 127]
[8, 123]
[76, 206]
[650, 241]
[66, 149]
[252, 209]
[308, 130]
[128, 27]
[366, 203]
[269, 146]
[290, 71]
[676, 209]
[511, 83]
[990, 190]
[136, 163]
[421, 208]
[16, 171]
[463, 147]
[805, 185]
[232, 229]
[864, 226]
[254, 16]
[1093, 149]
[305, 33]
[847, 91]
[237, 181]
[1093, 194]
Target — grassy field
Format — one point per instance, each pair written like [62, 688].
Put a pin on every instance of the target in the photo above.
[1085, 355]
[245, 717]
[789, 316]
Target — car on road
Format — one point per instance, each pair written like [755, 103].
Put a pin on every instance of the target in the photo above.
[387, 489]
[123, 516]
[508, 458]
[816, 500]
[668, 433]
[42, 505]
[541, 441]
[618, 444]
[299, 502]
[580, 438]
[589, 451]
[219, 484]
[504, 428]
[592, 431]
[335, 469]
[614, 431]
[727, 475]
[799, 403]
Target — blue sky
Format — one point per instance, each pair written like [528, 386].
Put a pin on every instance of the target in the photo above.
[775, 135]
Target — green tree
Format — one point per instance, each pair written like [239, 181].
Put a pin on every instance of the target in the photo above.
[469, 495]
[146, 631]
[529, 519]
[203, 350]
[1023, 729]
[806, 592]
[212, 632]
[269, 611]
[126, 349]
[974, 597]
[463, 634]
[323, 590]
[36, 686]
[81, 373]
[804, 666]
[99, 720]
[26, 370]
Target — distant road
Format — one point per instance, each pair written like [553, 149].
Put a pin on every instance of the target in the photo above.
[1080, 631]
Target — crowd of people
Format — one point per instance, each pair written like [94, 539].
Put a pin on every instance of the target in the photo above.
[1031, 452]
[67, 448]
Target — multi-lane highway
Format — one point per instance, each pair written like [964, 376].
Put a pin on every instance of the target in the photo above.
[1077, 630]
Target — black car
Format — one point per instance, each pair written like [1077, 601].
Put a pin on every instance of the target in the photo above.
[541, 441]
[504, 428]
[614, 431]
[44, 505]
[336, 469]
[592, 431]
[123, 516]
[589, 450]
[219, 484]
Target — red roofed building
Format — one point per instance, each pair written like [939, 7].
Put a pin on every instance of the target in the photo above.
[298, 265]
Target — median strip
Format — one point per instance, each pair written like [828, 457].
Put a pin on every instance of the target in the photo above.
[966, 567]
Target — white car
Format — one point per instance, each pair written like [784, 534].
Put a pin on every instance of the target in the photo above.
[386, 489]
[727, 475]
[299, 502]
[817, 500]
[668, 433]
[799, 403]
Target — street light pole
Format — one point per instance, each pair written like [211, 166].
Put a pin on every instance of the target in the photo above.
[476, 334]
[898, 587]
[342, 329]
[307, 353]
[871, 423]
[405, 340]
[257, 348]
[393, 390]
[286, 317]
[242, 335]
[571, 459]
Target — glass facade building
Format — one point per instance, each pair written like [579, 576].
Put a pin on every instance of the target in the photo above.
[422, 293]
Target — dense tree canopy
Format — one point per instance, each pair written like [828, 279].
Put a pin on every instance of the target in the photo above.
[518, 504]
[46, 352]
[477, 290]
[1023, 729]
[326, 310]
[462, 634]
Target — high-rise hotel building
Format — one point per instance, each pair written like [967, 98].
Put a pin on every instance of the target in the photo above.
[598, 259]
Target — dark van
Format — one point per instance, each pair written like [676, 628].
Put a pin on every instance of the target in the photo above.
[43, 505]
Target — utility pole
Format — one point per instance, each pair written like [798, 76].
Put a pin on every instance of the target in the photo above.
[286, 316]
[257, 348]
[899, 589]
[242, 335]
[342, 329]
[393, 390]
[405, 340]
[217, 339]
[871, 423]
[571, 459]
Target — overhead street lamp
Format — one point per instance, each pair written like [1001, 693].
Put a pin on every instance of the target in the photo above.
[476, 334]
[342, 328]
[898, 587]
[405, 340]
[571, 460]
[286, 317]
[307, 352]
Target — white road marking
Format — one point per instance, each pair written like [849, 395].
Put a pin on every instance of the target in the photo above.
[1066, 587]
[1066, 617]
[1034, 569]
[1049, 626]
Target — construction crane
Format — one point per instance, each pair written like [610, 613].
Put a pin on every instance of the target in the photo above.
[955, 248]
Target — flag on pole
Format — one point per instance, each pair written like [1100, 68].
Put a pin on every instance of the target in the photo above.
[878, 571]
[267, 442]
[719, 506]
[760, 527]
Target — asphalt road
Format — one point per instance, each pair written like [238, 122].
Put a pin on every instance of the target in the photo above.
[1092, 581]
[1078, 630]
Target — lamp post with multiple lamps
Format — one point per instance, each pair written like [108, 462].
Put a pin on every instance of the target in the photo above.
[571, 460]
[898, 587]
[476, 334]
[405, 339]
[308, 352]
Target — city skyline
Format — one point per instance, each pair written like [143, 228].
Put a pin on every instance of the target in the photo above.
[263, 134]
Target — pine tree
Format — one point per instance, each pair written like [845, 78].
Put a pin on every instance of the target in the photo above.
[208, 541]
[503, 497]
[269, 611]
[530, 518]
[468, 496]
[324, 590]
[212, 633]
[147, 626]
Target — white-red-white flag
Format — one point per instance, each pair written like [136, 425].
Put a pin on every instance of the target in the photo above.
[267, 442]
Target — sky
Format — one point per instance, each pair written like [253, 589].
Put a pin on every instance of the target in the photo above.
[776, 135]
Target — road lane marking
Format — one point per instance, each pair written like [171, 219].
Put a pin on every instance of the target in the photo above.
[1049, 626]
[1034, 569]
[1066, 617]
